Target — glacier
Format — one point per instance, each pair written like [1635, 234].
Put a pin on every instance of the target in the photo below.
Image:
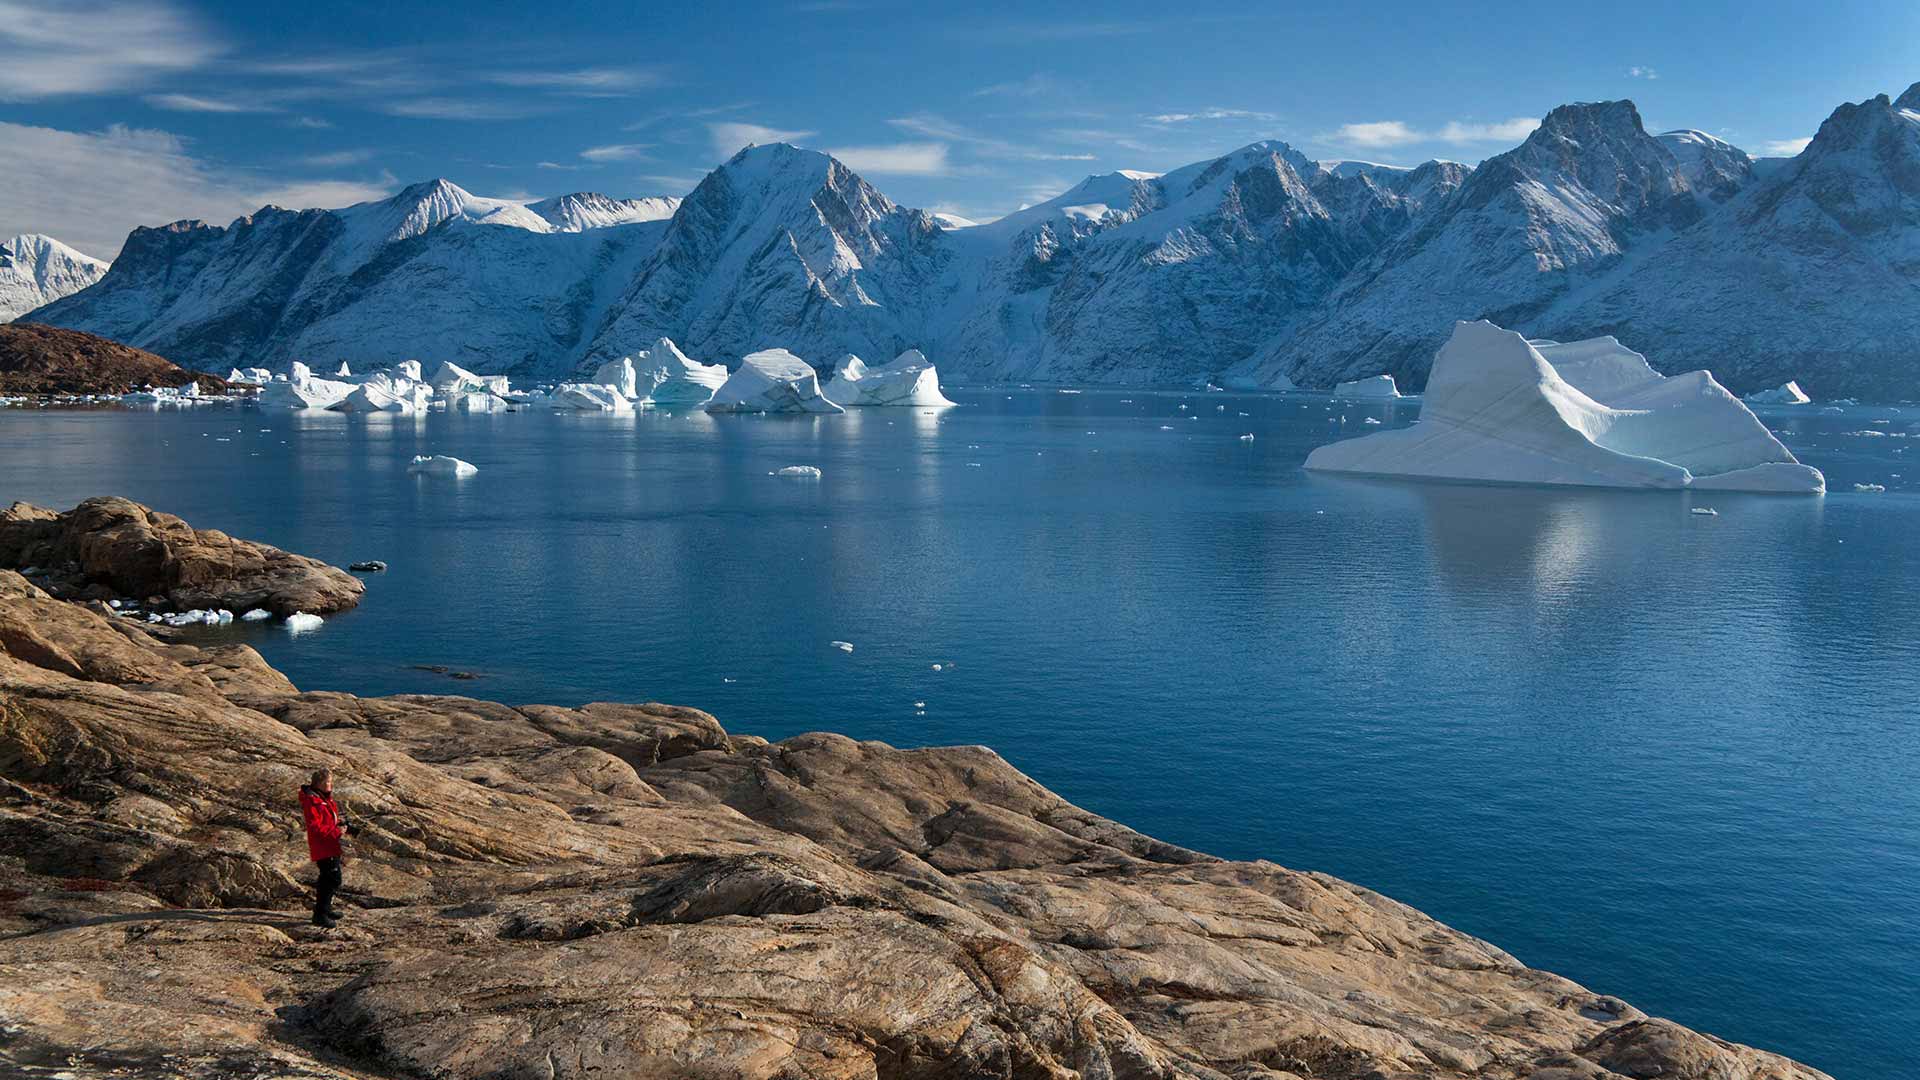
[1501, 409]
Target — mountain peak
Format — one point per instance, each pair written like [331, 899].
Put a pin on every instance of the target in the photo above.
[1910, 99]
[584, 210]
[1586, 119]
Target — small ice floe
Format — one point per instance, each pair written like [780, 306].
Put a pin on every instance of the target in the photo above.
[256, 615]
[1703, 511]
[728, 679]
[938, 667]
[843, 646]
[1183, 408]
[919, 704]
[1869, 487]
[441, 465]
[1166, 427]
[300, 622]
[1248, 437]
[973, 465]
[368, 566]
[1370, 420]
[798, 472]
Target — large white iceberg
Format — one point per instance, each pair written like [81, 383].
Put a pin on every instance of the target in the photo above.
[909, 380]
[666, 376]
[772, 381]
[1790, 394]
[255, 375]
[1499, 409]
[301, 389]
[1377, 387]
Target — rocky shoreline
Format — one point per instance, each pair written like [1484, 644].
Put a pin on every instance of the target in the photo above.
[633, 891]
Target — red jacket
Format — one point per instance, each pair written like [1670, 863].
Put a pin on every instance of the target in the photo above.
[323, 824]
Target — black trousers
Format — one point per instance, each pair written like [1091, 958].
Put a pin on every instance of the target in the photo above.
[328, 884]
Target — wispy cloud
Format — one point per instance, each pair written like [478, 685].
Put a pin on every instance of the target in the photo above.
[672, 184]
[1785, 147]
[91, 188]
[933, 126]
[337, 158]
[1638, 72]
[898, 159]
[313, 123]
[728, 137]
[78, 47]
[1210, 114]
[615, 152]
[448, 108]
[555, 165]
[195, 103]
[1380, 134]
[1039, 84]
[584, 82]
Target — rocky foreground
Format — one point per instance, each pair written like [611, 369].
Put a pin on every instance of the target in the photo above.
[631, 891]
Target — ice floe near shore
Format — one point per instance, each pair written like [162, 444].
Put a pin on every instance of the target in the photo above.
[772, 381]
[909, 380]
[1500, 409]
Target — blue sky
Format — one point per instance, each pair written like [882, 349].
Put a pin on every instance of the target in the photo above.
[145, 111]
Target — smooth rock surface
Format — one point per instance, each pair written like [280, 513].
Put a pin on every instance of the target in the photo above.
[629, 890]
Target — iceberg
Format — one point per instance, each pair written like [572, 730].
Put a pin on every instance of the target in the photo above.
[257, 375]
[620, 375]
[299, 622]
[909, 380]
[1499, 409]
[256, 615]
[301, 389]
[477, 401]
[450, 380]
[587, 397]
[1378, 387]
[772, 381]
[441, 465]
[801, 472]
[384, 393]
[666, 376]
[1789, 394]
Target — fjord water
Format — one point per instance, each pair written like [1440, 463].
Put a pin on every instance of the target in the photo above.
[1671, 756]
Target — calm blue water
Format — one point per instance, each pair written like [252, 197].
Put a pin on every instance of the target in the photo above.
[1672, 757]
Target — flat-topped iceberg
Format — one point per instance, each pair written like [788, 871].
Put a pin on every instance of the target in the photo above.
[1376, 388]
[302, 389]
[1789, 394]
[666, 376]
[772, 381]
[1499, 409]
[909, 380]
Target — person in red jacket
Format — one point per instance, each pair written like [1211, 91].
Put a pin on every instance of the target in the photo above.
[325, 826]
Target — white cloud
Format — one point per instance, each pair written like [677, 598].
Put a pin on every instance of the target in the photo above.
[615, 152]
[1381, 134]
[94, 46]
[90, 189]
[313, 122]
[729, 137]
[1637, 72]
[554, 165]
[585, 82]
[1377, 133]
[1036, 85]
[1210, 114]
[1512, 130]
[194, 103]
[337, 158]
[898, 159]
[1785, 147]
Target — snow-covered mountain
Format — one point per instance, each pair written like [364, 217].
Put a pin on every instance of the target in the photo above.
[1260, 264]
[433, 273]
[1559, 212]
[37, 270]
